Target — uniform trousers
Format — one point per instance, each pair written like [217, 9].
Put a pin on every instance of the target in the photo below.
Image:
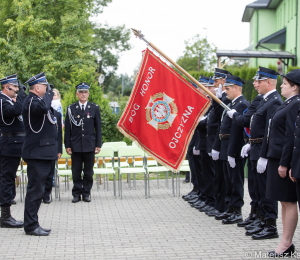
[49, 181]
[9, 167]
[208, 177]
[236, 183]
[227, 182]
[267, 208]
[82, 162]
[192, 169]
[37, 172]
[252, 181]
[219, 186]
[199, 177]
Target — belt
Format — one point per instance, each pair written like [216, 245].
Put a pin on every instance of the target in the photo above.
[12, 134]
[224, 136]
[256, 141]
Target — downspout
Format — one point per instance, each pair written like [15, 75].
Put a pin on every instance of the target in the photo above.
[296, 60]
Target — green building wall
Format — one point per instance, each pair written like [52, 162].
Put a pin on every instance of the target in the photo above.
[265, 22]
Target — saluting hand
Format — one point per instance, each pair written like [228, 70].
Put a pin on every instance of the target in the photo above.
[69, 151]
[282, 171]
[292, 178]
[97, 150]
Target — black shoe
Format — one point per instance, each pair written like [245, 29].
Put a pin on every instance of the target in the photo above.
[269, 231]
[213, 212]
[284, 254]
[47, 201]
[191, 197]
[186, 181]
[13, 202]
[86, 198]
[193, 192]
[7, 221]
[249, 220]
[197, 203]
[206, 209]
[235, 217]
[225, 214]
[76, 199]
[38, 232]
[46, 229]
[256, 222]
[201, 206]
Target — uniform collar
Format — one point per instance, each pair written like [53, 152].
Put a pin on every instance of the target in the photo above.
[267, 94]
[80, 105]
[236, 99]
[6, 96]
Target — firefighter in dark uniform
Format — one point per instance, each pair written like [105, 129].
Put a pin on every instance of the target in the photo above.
[49, 180]
[39, 148]
[244, 120]
[199, 198]
[82, 141]
[267, 80]
[221, 196]
[232, 141]
[205, 159]
[11, 141]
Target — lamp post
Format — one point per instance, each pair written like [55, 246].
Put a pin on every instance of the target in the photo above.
[204, 28]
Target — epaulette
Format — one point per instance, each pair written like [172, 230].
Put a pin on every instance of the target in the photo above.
[94, 104]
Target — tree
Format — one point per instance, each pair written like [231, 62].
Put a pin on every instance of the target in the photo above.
[57, 40]
[197, 53]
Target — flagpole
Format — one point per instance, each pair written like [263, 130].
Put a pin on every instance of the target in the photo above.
[141, 36]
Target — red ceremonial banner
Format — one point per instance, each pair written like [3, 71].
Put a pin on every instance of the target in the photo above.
[162, 112]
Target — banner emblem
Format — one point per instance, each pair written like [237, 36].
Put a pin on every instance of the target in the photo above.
[161, 111]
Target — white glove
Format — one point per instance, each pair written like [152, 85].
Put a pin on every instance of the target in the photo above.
[231, 112]
[219, 91]
[202, 118]
[245, 150]
[209, 154]
[196, 152]
[262, 164]
[215, 155]
[231, 161]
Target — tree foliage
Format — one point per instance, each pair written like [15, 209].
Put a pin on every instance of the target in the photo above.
[197, 54]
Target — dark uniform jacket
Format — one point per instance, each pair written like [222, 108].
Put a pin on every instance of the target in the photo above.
[212, 129]
[87, 136]
[219, 112]
[59, 129]
[244, 118]
[260, 121]
[296, 149]
[202, 132]
[282, 128]
[11, 121]
[232, 146]
[41, 140]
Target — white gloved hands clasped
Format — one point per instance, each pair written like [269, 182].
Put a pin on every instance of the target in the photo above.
[196, 152]
[231, 161]
[231, 112]
[215, 155]
[219, 91]
[245, 150]
[261, 165]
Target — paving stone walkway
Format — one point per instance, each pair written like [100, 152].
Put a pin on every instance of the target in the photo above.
[162, 227]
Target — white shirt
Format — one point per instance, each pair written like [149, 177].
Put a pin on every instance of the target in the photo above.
[291, 97]
[84, 105]
[270, 92]
[236, 98]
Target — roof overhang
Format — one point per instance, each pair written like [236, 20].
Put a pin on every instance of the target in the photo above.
[259, 4]
[255, 54]
[278, 37]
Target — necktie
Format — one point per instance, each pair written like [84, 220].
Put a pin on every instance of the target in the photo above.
[82, 108]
